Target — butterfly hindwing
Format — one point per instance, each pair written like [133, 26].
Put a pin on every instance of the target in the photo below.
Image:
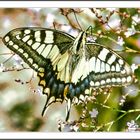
[98, 68]
[108, 68]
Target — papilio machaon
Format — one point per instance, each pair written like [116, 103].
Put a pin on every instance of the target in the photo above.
[67, 67]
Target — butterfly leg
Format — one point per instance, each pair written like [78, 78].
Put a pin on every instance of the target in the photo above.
[68, 109]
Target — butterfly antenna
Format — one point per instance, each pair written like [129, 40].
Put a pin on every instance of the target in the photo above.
[8, 58]
[89, 29]
[77, 20]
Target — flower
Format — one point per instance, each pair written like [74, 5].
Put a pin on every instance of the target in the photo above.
[6, 23]
[111, 9]
[35, 9]
[134, 67]
[18, 61]
[122, 101]
[93, 113]
[120, 41]
[132, 126]
[39, 90]
[130, 31]
[2, 68]
[68, 126]
[136, 18]
[132, 90]
[91, 38]
[50, 18]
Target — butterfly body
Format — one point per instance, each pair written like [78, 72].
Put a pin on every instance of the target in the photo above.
[68, 66]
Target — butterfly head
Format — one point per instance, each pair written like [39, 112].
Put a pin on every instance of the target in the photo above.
[79, 42]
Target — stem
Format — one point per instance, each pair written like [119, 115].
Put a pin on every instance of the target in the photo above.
[137, 117]
[112, 122]
[108, 107]
[131, 50]
[8, 58]
[103, 36]
[14, 69]
[6, 53]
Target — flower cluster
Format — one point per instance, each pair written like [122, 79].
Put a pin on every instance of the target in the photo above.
[132, 126]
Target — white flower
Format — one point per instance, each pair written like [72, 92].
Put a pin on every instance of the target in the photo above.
[2, 68]
[65, 28]
[122, 101]
[132, 90]
[35, 9]
[132, 126]
[18, 61]
[93, 113]
[67, 126]
[136, 18]
[120, 41]
[111, 9]
[75, 128]
[39, 90]
[114, 22]
[99, 31]
[6, 23]
[91, 38]
[50, 18]
[130, 31]
[73, 32]
[134, 67]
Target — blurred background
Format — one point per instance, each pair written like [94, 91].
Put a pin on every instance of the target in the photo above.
[21, 100]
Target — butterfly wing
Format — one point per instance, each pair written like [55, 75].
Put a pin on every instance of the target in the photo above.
[109, 68]
[45, 51]
[37, 46]
[100, 67]
[62, 73]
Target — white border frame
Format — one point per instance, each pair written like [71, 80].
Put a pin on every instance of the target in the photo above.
[99, 4]
[72, 135]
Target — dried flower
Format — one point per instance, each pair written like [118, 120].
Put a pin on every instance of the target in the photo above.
[120, 41]
[68, 126]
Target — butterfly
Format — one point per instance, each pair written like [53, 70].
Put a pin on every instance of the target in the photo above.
[67, 67]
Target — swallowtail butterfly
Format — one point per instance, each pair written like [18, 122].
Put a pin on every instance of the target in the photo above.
[67, 67]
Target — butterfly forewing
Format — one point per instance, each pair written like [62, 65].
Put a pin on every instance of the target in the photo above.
[40, 44]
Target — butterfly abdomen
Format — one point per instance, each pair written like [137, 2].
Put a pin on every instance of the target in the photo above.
[75, 90]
